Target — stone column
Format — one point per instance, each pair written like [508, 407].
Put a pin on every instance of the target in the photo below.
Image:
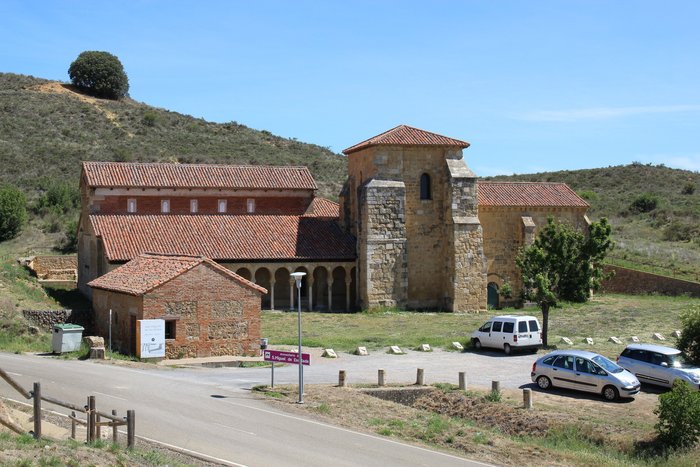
[330, 294]
[272, 292]
[292, 293]
[348, 283]
[310, 283]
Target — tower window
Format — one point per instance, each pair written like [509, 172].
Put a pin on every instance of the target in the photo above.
[165, 206]
[251, 205]
[425, 187]
[131, 205]
[194, 206]
[222, 206]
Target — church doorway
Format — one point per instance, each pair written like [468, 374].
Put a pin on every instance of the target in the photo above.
[493, 297]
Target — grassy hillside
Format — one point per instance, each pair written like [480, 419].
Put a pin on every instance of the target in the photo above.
[46, 129]
[655, 212]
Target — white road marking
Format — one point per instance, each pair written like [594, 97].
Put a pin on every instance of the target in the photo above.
[13, 374]
[355, 432]
[109, 395]
[236, 429]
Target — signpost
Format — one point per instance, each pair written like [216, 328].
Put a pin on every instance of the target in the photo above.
[279, 356]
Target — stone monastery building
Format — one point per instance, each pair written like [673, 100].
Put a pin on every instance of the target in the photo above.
[414, 227]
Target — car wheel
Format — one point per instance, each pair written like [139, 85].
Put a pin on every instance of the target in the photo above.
[544, 383]
[477, 344]
[610, 393]
[507, 349]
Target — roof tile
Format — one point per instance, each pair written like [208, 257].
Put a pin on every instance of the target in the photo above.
[407, 135]
[528, 194]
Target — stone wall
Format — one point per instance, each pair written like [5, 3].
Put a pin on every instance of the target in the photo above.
[45, 319]
[405, 396]
[55, 268]
[629, 281]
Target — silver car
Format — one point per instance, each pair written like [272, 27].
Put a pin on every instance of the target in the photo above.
[656, 364]
[584, 371]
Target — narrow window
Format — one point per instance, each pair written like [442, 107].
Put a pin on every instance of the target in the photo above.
[170, 329]
[222, 206]
[165, 206]
[251, 205]
[425, 187]
[131, 205]
[193, 206]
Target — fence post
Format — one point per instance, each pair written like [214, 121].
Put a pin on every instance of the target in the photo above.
[380, 378]
[72, 425]
[419, 377]
[98, 428]
[527, 398]
[115, 435]
[91, 419]
[462, 381]
[36, 394]
[130, 428]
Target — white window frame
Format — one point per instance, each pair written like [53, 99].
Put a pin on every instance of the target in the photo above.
[221, 206]
[165, 206]
[250, 205]
[131, 205]
[194, 206]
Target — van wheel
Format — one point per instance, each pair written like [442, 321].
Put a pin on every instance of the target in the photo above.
[507, 349]
[477, 344]
[544, 383]
[610, 393]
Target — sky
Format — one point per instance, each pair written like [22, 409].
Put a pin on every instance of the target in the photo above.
[533, 85]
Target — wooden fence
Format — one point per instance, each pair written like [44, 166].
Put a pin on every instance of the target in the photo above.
[93, 418]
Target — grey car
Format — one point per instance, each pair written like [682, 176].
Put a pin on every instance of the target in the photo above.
[656, 364]
[584, 371]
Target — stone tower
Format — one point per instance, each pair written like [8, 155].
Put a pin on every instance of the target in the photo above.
[411, 202]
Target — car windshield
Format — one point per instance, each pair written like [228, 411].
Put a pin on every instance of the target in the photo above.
[606, 364]
[678, 361]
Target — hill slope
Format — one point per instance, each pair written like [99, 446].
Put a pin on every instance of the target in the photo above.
[46, 129]
[665, 238]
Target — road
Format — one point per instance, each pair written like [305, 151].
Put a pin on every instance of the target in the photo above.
[209, 411]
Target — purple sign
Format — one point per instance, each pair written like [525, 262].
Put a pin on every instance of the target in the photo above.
[286, 357]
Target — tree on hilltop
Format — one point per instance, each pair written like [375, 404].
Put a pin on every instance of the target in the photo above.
[563, 264]
[100, 74]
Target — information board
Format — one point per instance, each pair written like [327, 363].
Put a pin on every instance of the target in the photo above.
[279, 356]
[150, 338]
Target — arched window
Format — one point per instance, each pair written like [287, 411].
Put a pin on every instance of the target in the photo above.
[425, 187]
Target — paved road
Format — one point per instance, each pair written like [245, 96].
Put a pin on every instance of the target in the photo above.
[207, 411]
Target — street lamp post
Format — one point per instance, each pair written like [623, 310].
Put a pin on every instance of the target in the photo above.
[297, 277]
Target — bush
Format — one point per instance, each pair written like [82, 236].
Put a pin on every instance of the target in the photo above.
[677, 231]
[645, 202]
[679, 417]
[13, 212]
[689, 342]
[100, 74]
[688, 188]
[59, 198]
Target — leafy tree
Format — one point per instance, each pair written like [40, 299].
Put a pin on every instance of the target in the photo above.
[13, 211]
[689, 342]
[60, 197]
[563, 264]
[679, 416]
[100, 74]
[646, 202]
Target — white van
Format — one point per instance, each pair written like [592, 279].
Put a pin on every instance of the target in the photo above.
[509, 332]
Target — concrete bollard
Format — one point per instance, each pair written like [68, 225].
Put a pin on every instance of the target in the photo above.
[462, 381]
[341, 378]
[380, 377]
[419, 377]
[527, 398]
[495, 386]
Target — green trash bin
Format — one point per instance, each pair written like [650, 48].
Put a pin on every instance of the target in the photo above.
[66, 337]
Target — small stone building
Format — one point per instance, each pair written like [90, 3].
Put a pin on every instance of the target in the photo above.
[208, 309]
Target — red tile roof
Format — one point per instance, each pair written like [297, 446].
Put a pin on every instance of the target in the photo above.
[148, 271]
[408, 136]
[321, 207]
[222, 238]
[529, 194]
[162, 175]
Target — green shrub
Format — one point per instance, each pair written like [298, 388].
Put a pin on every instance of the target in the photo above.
[646, 202]
[689, 342]
[678, 231]
[100, 74]
[59, 197]
[679, 417]
[688, 188]
[149, 119]
[13, 212]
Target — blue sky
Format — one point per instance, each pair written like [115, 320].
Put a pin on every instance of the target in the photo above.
[533, 85]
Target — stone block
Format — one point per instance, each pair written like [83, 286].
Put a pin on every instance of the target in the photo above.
[94, 341]
[566, 340]
[634, 339]
[457, 346]
[657, 336]
[361, 351]
[97, 353]
[676, 334]
[588, 340]
[395, 350]
[329, 353]
[425, 348]
[614, 340]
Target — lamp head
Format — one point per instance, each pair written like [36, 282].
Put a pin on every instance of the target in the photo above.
[297, 277]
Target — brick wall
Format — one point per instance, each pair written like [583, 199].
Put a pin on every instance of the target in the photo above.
[629, 281]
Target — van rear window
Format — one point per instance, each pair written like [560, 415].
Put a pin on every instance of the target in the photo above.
[533, 326]
[508, 327]
[522, 326]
